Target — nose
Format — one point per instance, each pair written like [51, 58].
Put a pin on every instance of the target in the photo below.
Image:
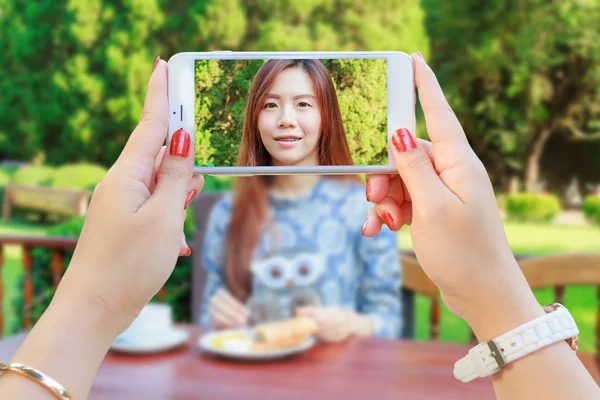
[289, 283]
[287, 119]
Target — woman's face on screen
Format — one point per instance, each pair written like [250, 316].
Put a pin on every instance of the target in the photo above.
[290, 120]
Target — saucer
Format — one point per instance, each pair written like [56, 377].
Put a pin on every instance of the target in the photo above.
[236, 345]
[166, 341]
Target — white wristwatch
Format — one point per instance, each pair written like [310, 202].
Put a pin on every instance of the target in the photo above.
[487, 358]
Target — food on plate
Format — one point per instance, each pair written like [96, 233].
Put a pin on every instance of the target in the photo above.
[283, 334]
[268, 336]
[232, 341]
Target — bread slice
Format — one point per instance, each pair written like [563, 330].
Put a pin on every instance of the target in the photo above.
[283, 334]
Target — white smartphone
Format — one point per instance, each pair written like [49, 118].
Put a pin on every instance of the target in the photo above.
[284, 113]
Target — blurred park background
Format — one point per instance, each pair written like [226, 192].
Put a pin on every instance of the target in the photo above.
[523, 78]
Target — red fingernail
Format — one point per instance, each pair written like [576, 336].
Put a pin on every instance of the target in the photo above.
[365, 226]
[189, 198]
[403, 140]
[420, 55]
[180, 143]
[156, 63]
[368, 190]
[189, 252]
[387, 218]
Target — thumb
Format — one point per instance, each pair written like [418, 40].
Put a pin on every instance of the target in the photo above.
[175, 172]
[414, 167]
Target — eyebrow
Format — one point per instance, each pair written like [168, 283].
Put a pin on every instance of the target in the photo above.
[300, 96]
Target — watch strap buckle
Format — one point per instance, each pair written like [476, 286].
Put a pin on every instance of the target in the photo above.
[496, 353]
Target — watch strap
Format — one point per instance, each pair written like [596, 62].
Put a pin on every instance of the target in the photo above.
[487, 358]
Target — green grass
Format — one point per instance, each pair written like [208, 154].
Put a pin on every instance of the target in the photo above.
[538, 239]
[531, 239]
[547, 239]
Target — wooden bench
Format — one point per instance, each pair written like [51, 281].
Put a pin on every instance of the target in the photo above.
[46, 199]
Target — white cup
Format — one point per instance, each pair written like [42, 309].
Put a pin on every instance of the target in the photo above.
[154, 323]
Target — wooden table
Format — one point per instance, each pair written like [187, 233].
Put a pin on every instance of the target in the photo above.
[356, 369]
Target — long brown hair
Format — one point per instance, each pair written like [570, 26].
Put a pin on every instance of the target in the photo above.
[250, 194]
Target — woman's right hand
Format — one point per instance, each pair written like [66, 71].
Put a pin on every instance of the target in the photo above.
[443, 191]
[226, 312]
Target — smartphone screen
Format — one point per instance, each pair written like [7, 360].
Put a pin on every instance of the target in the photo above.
[291, 112]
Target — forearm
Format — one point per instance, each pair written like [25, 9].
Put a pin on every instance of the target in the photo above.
[551, 373]
[66, 344]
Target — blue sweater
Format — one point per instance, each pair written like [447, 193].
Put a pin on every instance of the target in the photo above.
[319, 245]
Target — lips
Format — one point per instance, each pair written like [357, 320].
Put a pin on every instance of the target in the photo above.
[287, 139]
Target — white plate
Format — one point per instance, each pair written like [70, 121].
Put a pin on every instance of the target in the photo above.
[240, 350]
[174, 338]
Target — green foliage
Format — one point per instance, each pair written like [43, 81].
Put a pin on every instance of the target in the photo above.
[82, 176]
[69, 228]
[532, 207]
[75, 72]
[361, 88]
[512, 70]
[217, 183]
[74, 76]
[76, 176]
[222, 88]
[35, 175]
[591, 209]
[5, 178]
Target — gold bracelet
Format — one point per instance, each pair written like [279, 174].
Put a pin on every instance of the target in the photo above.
[48, 383]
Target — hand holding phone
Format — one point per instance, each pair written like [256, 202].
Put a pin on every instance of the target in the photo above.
[291, 113]
[444, 193]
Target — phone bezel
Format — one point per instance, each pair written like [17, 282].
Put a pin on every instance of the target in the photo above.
[400, 105]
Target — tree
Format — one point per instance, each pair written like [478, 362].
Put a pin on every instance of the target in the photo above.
[74, 77]
[294, 25]
[517, 74]
[275, 25]
[74, 72]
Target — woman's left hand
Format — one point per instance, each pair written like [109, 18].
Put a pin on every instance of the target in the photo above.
[334, 323]
[132, 235]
